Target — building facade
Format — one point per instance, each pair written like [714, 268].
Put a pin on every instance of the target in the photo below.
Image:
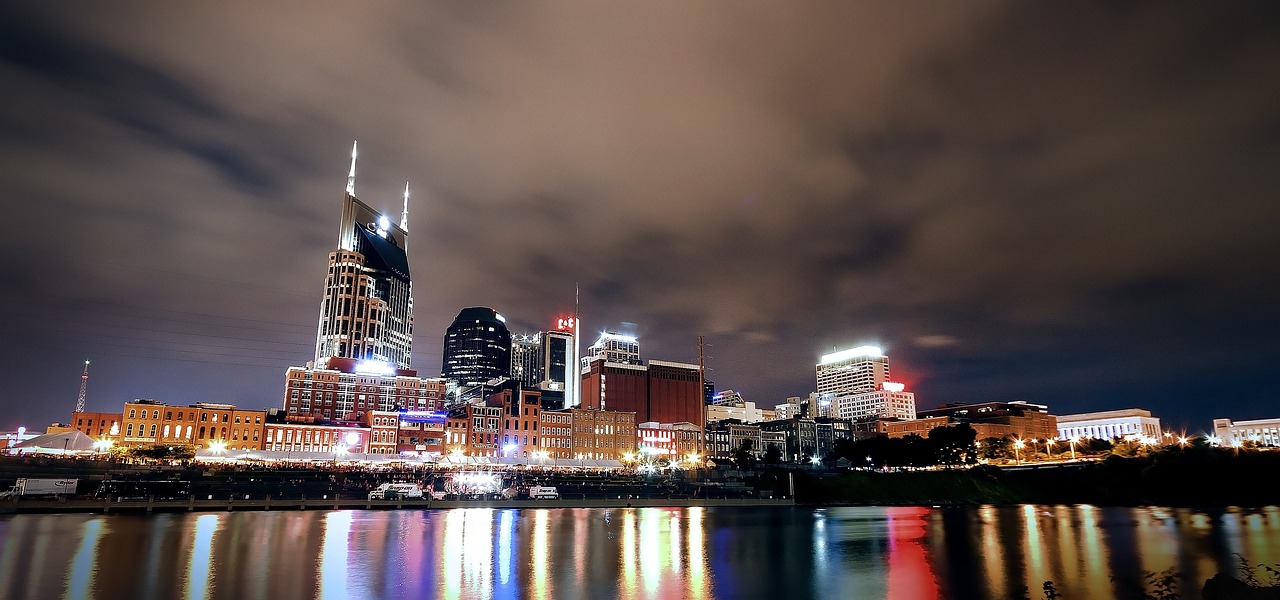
[1262, 432]
[673, 441]
[852, 371]
[96, 425]
[148, 422]
[347, 389]
[367, 310]
[526, 359]
[477, 347]
[1129, 423]
[1017, 419]
[603, 434]
[746, 412]
[888, 402]
[284, 433]
[615, 348]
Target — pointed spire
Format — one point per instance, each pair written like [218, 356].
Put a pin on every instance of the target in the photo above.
[351, 177]
[404, 214]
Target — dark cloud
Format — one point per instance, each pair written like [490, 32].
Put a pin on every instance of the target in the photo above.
[1067, 203]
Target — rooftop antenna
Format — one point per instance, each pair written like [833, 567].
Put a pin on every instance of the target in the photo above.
[351, 177]
[404, 214]
[84, 383]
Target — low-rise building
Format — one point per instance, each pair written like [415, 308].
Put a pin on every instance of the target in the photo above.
[1129, 423]
[293, 433]
[1019, 419]
[147, 422]
[384, 431]
[724, 437]
[603, 434]
[97, 425]
[674, 441]
[1263, 432]
[745, 412]
[474, 430]
[422, 432]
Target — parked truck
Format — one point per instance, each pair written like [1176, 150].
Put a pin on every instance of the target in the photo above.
[29, 487]
[543, 492]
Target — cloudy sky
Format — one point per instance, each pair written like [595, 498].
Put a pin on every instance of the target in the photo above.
[1067, 203]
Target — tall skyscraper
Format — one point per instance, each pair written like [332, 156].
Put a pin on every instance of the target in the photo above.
[477, 347]
[560, 360]
[852, 371]
[526, 359]
[367, 311]
[366, 325]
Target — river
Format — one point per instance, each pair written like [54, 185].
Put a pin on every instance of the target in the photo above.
[783, 553]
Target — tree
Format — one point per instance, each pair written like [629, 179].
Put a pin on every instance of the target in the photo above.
[954, 445]
[996, 448]
[743, 457]
[772, 454]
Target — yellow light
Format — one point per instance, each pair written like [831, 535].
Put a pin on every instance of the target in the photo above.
[218, 446]
[1019, 444]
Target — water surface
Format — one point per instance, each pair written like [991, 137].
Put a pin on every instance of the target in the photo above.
[873, 552]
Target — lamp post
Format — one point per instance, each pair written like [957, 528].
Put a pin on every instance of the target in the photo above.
[1017, 449]
[1073, 440]
[1048, 444]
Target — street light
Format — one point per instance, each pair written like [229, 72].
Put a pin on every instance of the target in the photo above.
[1018, 444]
[1074, 439]
[1049, 446]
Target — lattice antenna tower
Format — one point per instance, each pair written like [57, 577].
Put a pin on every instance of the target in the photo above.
[84, 383]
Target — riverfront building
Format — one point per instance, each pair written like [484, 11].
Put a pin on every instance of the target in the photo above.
[674, 441]
[1129, 423]
[662, 391]
[1263, 432]
[347, 389]
[149, 422]
[97, 425]
[1018, 419]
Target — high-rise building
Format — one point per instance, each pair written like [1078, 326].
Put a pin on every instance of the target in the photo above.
[852, 371]
[615, 348]
[477, 347]
[365, 334]
[367, 311]
[560, 360]
[666, 392]
[891, 401]
[526, 359]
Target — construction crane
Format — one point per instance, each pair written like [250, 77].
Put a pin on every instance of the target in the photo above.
[84, 383]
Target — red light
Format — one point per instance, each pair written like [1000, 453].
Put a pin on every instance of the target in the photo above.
[564, 324]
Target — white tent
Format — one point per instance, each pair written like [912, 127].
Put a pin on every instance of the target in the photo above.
[67, 442]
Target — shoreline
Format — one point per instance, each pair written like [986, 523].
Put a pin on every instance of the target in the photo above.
[193, 505]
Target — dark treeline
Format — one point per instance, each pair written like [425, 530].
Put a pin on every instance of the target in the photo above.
[1173, 475]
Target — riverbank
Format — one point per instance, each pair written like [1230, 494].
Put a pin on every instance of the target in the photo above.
[262, 504]
[1177, 479]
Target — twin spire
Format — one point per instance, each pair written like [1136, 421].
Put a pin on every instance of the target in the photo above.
[351, 189]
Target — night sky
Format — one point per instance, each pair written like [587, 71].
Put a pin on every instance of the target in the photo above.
[1072, 204]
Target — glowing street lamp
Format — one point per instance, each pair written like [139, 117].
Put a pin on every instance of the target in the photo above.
[1018, 445]
[1182, 441]
[218, 447]
[1049, 446]
[1074, 440]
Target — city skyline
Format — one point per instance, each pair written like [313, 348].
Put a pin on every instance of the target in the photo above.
[1070, 205]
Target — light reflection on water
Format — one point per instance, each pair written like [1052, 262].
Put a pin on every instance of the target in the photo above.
[866, 552]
